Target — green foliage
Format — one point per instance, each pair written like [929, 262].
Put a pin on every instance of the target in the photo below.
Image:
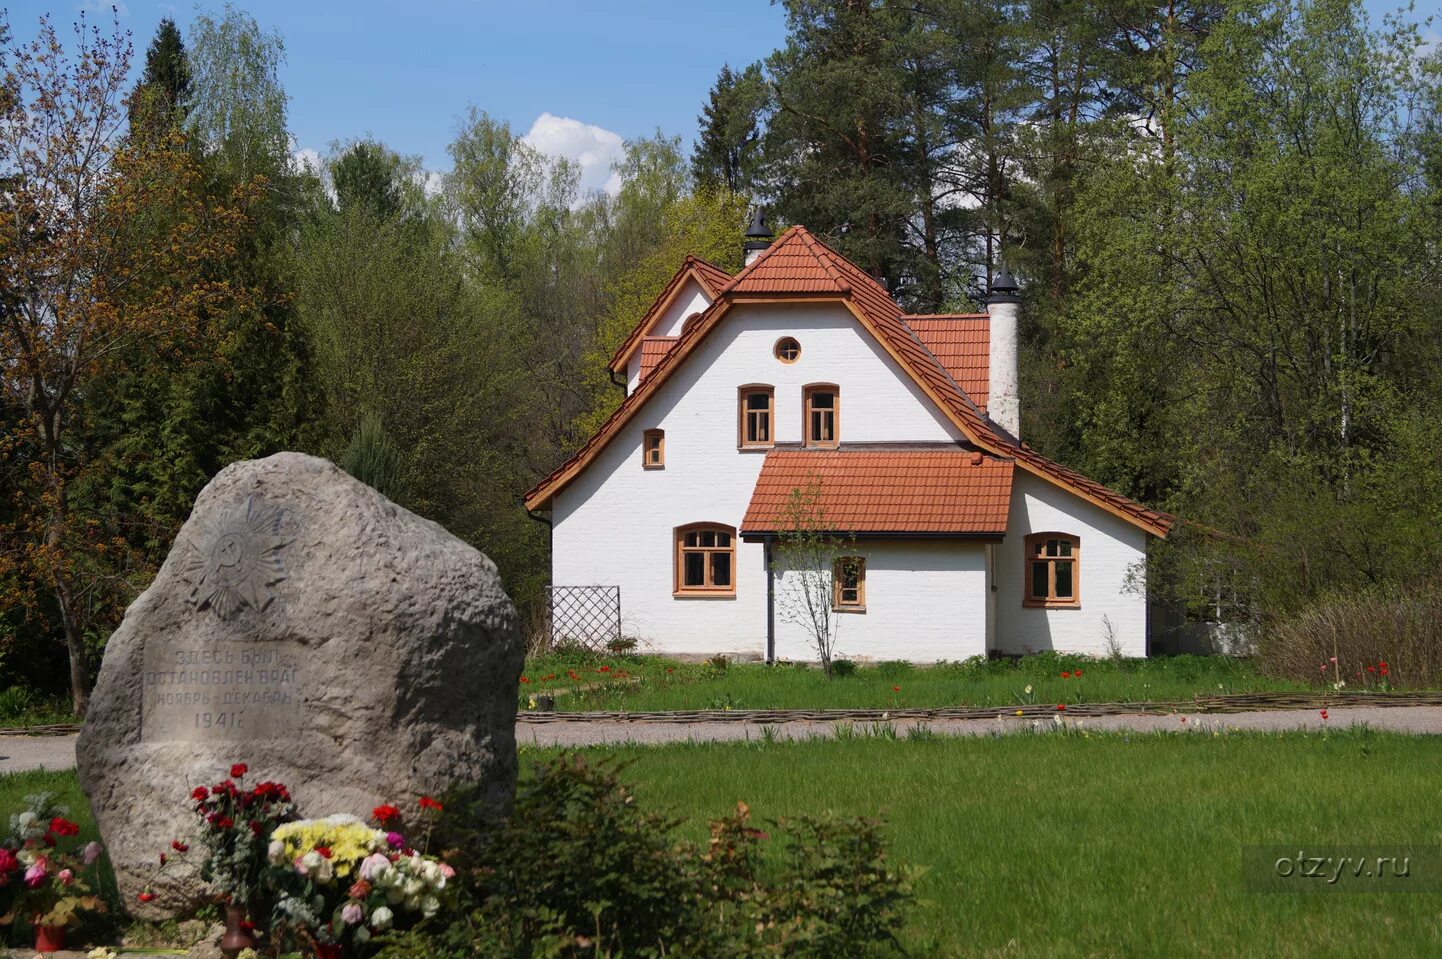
[729, 145]
[372, 457]
[580, 869]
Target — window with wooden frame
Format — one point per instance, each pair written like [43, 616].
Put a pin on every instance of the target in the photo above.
[706, 560]
[848, 584]
[756, 416]
[653, 450]
[822, 408]
[1053, 570]
[787, 350]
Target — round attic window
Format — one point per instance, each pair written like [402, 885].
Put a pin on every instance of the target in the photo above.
[690, 323]
[788, 350]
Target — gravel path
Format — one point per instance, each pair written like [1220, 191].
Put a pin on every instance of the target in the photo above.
[36, 752]
[1404, 719]
[58, 752]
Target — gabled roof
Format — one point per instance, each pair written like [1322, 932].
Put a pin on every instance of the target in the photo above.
[652, 349]
[961, 342]
[952, 491]
[711, 279]
[800, 265]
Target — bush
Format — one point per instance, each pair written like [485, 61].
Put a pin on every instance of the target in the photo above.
[1395, 632]
[842, 667]
[579, 869]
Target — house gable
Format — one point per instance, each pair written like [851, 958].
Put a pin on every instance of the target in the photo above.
[800, 268]
[693, 288]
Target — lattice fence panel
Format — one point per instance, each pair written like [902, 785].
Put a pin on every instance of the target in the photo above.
[587, 616]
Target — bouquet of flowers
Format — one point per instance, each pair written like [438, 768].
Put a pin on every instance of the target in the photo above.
[234, 825]
[340, 880]
[46, 876]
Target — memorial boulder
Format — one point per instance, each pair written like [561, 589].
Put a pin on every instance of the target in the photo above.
[308, 627]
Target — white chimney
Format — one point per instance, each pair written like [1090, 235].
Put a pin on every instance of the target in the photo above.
[1003, 405]
[758, 237]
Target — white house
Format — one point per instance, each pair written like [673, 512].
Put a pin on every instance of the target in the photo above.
[801, 372]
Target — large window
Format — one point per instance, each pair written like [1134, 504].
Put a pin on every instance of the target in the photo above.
[706, 560]
[653, 450]
[822, 406]
[1053, 567]
[848, 584]
[757, 414]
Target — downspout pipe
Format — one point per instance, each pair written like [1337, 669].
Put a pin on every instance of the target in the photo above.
[770, 605]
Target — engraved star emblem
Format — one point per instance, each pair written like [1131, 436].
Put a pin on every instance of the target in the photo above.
[232, 562]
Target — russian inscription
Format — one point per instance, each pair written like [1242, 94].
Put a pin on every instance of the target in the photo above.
[221, 690]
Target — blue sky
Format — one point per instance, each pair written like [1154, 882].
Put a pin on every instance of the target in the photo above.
[577, 77]
[404, 72]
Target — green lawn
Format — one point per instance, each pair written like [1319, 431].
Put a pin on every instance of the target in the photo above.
[644, 683]
[1106, 845]
[1055, 845]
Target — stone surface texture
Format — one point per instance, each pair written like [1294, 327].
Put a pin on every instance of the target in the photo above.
[305, 625]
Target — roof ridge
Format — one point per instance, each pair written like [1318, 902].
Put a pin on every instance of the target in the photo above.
[827, 262]
[762, 257]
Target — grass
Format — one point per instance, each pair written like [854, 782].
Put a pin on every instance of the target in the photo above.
[1101, 845]
[1076, 844]
[646, 683]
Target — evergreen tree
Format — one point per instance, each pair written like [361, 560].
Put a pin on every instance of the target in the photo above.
[164, 88]
[730, 138]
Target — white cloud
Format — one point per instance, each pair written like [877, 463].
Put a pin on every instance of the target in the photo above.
[307, 159]
[104, 7]
[593, 148]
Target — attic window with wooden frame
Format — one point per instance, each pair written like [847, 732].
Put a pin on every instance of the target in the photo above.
[756, 417]
[1053, 568]
[822, 409]
[653, 450]
[787, 349]
[705, 560]
[848, 584]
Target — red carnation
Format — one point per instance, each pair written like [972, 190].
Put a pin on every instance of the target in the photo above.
[64, 827]
[428, 803]
[238, 770]
[1324, 714]
[201, 794]
[225, 822]
[323, 851]
[179, 846]
[146, 896]
[385, 814]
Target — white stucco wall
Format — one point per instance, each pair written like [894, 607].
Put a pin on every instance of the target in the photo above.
[690, 299]
[1110, 548]
[925, 601]
[614, 525]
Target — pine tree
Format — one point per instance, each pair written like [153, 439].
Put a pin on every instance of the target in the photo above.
[730, 140]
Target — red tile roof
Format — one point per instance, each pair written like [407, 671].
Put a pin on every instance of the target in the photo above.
[961, 343]
[711, 277]
[652, 349]
[799, 264]
[952, 490]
